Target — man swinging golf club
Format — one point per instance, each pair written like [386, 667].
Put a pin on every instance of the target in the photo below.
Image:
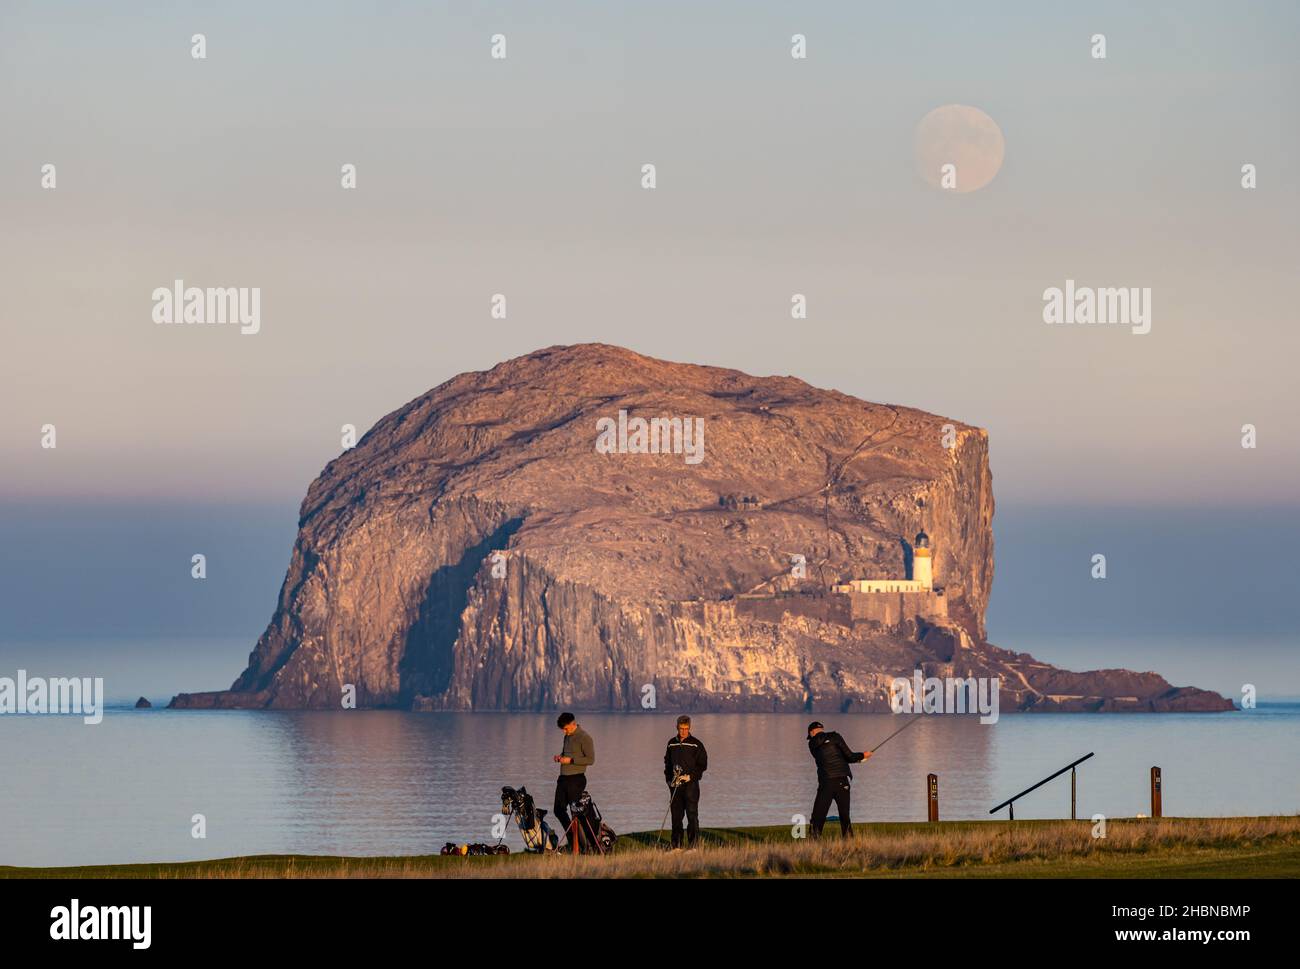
[685, 761]
[577, 754]
[833, 757]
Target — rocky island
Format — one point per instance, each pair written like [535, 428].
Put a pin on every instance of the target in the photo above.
[585, 527]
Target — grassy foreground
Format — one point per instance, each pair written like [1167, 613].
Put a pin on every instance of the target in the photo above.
[1266, 847]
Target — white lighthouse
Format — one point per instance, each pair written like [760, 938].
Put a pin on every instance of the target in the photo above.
[922, 564]
[892, 601]
[922, 579]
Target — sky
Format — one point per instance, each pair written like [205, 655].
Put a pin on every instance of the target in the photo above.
[775, 176]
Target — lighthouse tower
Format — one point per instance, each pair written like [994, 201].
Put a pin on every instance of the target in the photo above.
[922, 564]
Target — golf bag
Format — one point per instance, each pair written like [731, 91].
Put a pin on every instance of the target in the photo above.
[593, 835]
[537, 834]
[450, 848]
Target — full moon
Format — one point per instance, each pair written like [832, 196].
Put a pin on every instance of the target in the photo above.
[958, 148]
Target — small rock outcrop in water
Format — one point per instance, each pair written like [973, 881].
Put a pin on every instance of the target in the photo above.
[142, 704]
[475, 551]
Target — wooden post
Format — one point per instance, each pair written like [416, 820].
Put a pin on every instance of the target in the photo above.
[1156, 807]
[1073, 800]
[932, 795]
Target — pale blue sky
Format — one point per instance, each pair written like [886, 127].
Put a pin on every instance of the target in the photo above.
[775, 176]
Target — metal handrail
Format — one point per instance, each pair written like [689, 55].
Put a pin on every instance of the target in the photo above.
[1009, 803]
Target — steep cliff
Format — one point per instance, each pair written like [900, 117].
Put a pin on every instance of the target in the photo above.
[476, 550]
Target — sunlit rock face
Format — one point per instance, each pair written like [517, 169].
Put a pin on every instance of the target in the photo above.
[494, 545]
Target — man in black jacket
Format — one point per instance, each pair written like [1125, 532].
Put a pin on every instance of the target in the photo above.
[685, 761]
[833, 757]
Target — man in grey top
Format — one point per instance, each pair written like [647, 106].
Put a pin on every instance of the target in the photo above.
[578, 752]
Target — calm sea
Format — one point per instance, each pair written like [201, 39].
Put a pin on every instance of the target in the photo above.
[379, 782]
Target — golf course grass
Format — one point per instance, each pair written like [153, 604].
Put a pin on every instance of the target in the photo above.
[1265, 847]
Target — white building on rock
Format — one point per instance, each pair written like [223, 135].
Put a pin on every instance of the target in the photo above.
[922, 579]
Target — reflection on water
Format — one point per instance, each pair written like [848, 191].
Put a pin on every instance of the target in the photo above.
[382, 782]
